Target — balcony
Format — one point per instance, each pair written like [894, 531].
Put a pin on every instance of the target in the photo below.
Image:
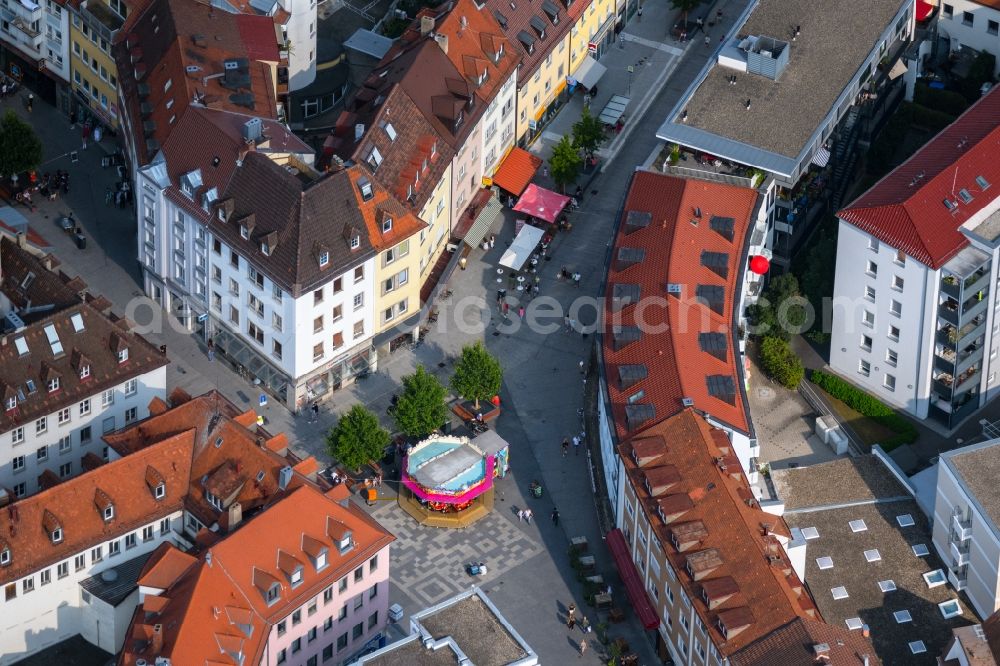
[949, 311]
[101, 19]
[958, 583]
[959, 554]
[26, 10]
[969, 357]
[941, 386]
[949, 336]
[961, 529]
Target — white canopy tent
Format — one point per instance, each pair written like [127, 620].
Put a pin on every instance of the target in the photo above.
[522, 247]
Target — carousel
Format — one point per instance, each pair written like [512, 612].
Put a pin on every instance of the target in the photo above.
[448, 481]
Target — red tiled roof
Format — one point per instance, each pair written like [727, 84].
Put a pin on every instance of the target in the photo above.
[518, 17]
[796, 643]
[676, 328]
[906, 209]
[70, 506]
[516, 171]
[732, 541]
[259, 37]
[207, 603]
[381, 206]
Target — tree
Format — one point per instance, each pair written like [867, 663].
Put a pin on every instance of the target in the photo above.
[421, 408]
[20, 149]
[685, 7]
[587, 133]
[780, 363]
[566, 163]
[357, 438]
[478, 373]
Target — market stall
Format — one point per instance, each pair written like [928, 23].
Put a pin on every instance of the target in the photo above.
[541, 203]
[614, 110]
[522, 248]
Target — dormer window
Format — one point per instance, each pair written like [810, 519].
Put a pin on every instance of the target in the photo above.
[366, 189]
[11, 402]
[53, 384]
[324, 259]
[273, 593]
[355, 242]
[482, 77]
[434, 150]
[244, 232]
[374, 159]
[84, 371]
[123, 355]
[296, 577]
[208, 198]
[425, 165]
[190, 182]
[265, 249]
[109, 512]
[345, 543]
[222, 214]
[5, 557]
[498, 54]
[56, 535]
[387, 225]
[160, 491]
[460, 118]
[321, 560]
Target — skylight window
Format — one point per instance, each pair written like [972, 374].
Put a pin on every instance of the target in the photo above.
[854, 623]
[982, 183]
[887, 585]
[77, 321]
[824, 562]
[918, 647]
[809, 533]
[935, 578]
[53, 337]
[950, 205]
[390, 131]
[22, 346]
[950, 608]
[921, 550]
[858, 526]
[873, 555]
[902, 617]
[839, 592]
[906, 520]
[964, 195]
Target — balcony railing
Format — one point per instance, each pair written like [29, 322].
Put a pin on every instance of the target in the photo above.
[959, 554]
[958, 583]
[961, 528]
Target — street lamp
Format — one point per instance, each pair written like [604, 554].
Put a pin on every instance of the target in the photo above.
[631, 69]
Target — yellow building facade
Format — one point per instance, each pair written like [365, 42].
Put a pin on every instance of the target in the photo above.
[93, 75]
[595, 26]
[436, 213]
[540, 88]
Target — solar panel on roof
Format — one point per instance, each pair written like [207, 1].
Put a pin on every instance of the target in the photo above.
[714, 344]
[722, 387]
[713, 295]
[717, 262]
[724, 226]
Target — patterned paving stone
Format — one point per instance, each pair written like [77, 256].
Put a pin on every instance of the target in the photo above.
[429, 563]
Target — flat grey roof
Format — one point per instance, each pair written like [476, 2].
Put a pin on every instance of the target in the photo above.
[369, 43]
[114, 584]
[978, 466]
[839, 481]
[412, 652]
[478, 632]
[834, 41]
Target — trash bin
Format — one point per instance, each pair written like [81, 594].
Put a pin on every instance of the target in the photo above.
[81, 241]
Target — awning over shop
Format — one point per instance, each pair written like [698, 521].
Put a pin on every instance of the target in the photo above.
[522, 247]
[614, 109]
[924, 10]
[633, 583]
[484, 221]
[821, 158]
[516, 171]
[541, 203]
[589, 72]
[897, 70]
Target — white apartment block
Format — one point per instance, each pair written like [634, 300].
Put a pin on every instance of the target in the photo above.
[915, 296]
[37, 32]
[299, 32]
[968, 24]
[966, 519]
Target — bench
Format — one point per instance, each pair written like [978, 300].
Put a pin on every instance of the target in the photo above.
[588, 563]
[579, 544]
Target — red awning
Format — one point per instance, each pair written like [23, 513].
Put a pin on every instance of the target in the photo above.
[633, 583]
[541, 203]
[924, 10]
[516, 171]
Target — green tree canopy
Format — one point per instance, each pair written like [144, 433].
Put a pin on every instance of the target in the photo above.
[587, 133]
[478, 373]
[20, 149]
[566, 163]
[357, 438]
[421, 408]
[685, 7]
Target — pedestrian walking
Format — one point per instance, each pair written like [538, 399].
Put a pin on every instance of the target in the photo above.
[718, 15]
[31, 101]
[571, 612]
[581, 367]
[315, 412]
[545, 171]
[583, 647]
[520, 516]
[640, 13]
[506, 309]
[565, 447]
[571, 622]
[576, 446]
[528, 515]
[572, 324]
[566, 323]
[701, 23]
[211, 350]
[708, 40]
[493, 240]
[520, 312]
[555, 516]
[109, 196]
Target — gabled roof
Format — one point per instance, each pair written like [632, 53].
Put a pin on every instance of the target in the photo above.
[802, 640]
[70, 506]
[728, 549]
[49, 343]
[176, 53]
[381, 208]
[907, 208]
[518, 17]
[220, 603]
[667, 223]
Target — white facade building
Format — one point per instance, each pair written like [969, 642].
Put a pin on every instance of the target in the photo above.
[499, 122]
[56, 45]
[971, 25]
[915, 296]
[966, 534]
[300, 41]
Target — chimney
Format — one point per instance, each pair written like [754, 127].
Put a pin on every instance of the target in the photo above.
[463, 22]
[235, 516]
[156, 643]
[442, 41]
[20, 239]
[426, 25]
[865, 631]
